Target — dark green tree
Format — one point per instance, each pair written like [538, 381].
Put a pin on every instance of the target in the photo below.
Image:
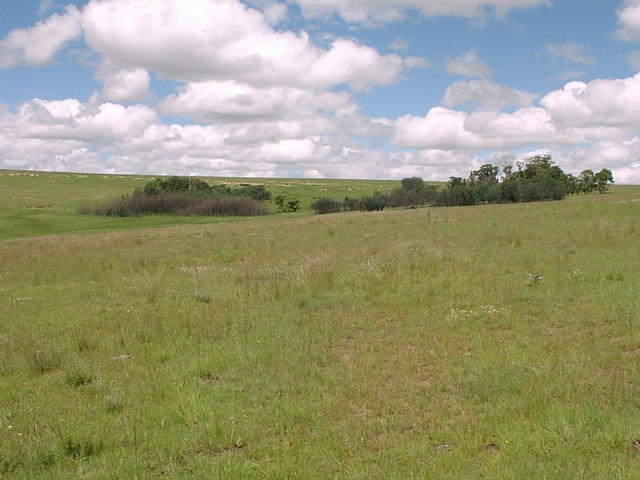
[603, 179]
[486, 175]
[413, 183]
[586, 181]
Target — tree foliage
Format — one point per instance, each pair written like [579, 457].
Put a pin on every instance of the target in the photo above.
[285, 204]
[189, 185]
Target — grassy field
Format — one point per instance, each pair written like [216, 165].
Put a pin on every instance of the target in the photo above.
[39, 203]
[496, 341]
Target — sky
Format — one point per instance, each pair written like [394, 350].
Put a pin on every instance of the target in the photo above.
[371, 89]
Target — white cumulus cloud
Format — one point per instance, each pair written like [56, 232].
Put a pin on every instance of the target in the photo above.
[600, 103]
[124, 85]
[39, 44]
[72, 120]
[202, 40]
[232, 101]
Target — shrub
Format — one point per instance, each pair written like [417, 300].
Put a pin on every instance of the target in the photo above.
[257, 192]
[78, 375]
[178, 204]
[377, 201]
[46, 359]
[401, 197]
[326, 205]
[286, 205]
[412, 193]
[510, 191]
[350, 204]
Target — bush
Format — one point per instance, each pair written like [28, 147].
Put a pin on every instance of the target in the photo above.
[257, 192]
[178, 204]
[412, 197]
[350, 204]
[459, 195]
[377, 201]
[171, 184]
[197, 186]
[326, 205]
[510, 191]
[286, 205]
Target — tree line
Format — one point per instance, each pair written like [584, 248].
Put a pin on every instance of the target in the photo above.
[535, 179]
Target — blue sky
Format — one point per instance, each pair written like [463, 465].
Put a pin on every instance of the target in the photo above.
[319, 88]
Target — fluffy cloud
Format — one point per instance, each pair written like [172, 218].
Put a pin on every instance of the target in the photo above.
[71, 120]
[40, 43]
[486, 94]
[124, 85]
[275, 13]
[383, 11]
[602, 110]
[629, 21]
[468, 65]
[195, 41]
[600, 103]
[441, 128]
[444, 129]
[602, 114]
[232, 101]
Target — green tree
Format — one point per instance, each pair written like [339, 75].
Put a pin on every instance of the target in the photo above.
[455, 181]
[413, 183]
[538, 168]
[586, 181]
[603, 179]
[197, 185]
[571, 182]
[486, 175]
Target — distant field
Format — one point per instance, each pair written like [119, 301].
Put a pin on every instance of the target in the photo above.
[42, 203]
[497, 341]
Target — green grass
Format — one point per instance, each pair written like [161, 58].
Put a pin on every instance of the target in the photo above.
[396, 344]
[44, 203]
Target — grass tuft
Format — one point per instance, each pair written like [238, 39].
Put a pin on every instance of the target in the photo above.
[46, 358]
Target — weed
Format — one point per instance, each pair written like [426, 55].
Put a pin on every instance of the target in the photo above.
[46, 358]
[202, 297]
[83, 447]
[615, 277]
[78, 375]
[114, 400]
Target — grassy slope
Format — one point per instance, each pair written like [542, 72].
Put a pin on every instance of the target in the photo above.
[38, 203]
[400, 344]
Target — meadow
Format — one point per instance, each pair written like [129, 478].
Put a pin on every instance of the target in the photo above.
[494, 341]
[43, 203]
